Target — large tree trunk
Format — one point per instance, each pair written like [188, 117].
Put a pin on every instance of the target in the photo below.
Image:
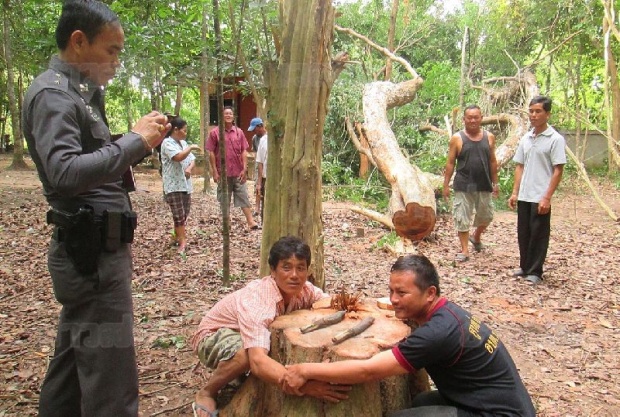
[18, 150]
[412, 204]
[298, 90]
[289, 345]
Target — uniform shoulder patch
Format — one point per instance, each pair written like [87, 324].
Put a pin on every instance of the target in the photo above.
[54, 79]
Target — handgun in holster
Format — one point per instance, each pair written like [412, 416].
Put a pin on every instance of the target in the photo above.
[81, 234]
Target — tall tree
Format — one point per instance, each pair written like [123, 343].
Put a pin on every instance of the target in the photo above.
[204, 97]
[298, 90]
[222, 148]
[612, 88]
[18, 142]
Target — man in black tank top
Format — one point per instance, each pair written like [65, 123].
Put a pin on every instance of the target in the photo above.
[472, 151]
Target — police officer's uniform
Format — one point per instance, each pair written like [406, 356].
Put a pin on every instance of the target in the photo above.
[93, 371]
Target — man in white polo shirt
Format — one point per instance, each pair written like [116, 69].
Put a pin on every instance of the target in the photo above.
[540, 160]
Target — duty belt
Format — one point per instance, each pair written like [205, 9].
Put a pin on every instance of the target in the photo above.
[85, 234]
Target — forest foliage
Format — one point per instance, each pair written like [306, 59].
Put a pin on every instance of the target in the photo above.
[560, 40]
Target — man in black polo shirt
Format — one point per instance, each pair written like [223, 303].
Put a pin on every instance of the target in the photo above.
[470, 366]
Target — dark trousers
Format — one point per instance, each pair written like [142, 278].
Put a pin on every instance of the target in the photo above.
[533, 232]
[428, 404]
[93, 372]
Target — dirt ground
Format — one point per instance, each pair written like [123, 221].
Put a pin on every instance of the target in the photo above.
[563, 334]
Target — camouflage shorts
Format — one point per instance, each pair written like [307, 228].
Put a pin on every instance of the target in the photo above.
[478, 205]
[220, 346]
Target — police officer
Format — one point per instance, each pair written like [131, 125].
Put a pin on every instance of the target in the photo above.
[93, 371]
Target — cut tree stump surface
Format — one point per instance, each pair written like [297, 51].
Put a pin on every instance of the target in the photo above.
[289, 345]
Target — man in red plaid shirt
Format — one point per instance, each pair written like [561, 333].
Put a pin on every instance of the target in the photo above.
[234, 338]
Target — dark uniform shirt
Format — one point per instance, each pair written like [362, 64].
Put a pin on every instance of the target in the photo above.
[468, 363]
[68, 138]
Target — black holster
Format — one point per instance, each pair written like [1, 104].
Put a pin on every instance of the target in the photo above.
[118, 228]
[86, 235]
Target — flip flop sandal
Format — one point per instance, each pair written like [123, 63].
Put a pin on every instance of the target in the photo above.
[461, 257]
[534, 279]
[477, 245]
[196, 407]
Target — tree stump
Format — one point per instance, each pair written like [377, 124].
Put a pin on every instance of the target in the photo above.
[289, 345]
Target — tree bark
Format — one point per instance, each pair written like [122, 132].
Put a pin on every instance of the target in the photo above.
[225, 208]
[412, 204]
[289, 345]
[178, 104]
[612, 94]
[298, 91]
[518, 128]
[463, 75]
[204, 101]
[128, 108]
[375, 216]
[391, 36]
[18, 143]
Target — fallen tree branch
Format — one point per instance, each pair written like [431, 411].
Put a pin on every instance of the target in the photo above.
[584, 174]
[3, 300]
[158, 373]
[448, 125]
[357, 143]
[338, 64]
[432, 128]
[571, 36]
[168, 410]
[381, 49]
[374, 215]
[168, 386]
[401, 247]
